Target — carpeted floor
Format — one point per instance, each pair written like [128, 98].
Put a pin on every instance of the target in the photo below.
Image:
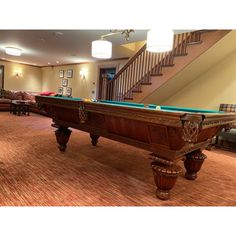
[34, 173]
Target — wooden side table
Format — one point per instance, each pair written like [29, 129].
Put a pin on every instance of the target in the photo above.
[19, 108]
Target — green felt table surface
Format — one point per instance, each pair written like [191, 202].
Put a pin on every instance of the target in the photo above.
[156, 107]
[66, 98]
[146, 106]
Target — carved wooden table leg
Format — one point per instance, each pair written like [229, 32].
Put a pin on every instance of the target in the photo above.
[11, 108]
[94, 138]
[62, 135]
[14, 109]
[18, 110]
[193, 164]
[165, 176]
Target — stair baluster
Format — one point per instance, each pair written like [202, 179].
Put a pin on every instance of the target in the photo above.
[139, 69]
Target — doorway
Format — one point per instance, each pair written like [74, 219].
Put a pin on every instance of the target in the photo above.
[1, 77]
[105, 75]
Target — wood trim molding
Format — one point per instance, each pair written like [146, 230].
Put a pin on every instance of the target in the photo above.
[67, 64]
[21, 63]
[2, 66]
[114, 59]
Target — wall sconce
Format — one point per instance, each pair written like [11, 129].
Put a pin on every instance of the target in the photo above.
[18, 73]
[83, 74]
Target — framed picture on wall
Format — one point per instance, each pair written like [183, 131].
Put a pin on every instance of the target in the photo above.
[64, 82]
[60, 90]
[61, 73]
[68, 91]
[69, 73]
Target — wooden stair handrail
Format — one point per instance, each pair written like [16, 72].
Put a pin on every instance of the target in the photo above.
[125, 86]
[143, 48]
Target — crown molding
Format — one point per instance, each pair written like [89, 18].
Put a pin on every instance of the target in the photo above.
[67, 64]
[21, 63]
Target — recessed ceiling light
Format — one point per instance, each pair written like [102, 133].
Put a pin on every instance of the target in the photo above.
[13, 51]
[57, 62]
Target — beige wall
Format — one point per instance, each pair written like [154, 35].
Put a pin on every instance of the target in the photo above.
[215, 86]
[30, 77]
[80, 87]
[135, 46]
[37, 79]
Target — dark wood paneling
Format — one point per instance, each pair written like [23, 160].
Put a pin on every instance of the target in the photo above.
[127, 128]
[96, 120]
[159, 134]
[175, 137]
[208, 133]
[2, 77]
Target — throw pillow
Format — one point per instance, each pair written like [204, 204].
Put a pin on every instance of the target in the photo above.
[46, 93]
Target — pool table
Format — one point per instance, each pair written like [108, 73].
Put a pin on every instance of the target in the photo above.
[169, 133]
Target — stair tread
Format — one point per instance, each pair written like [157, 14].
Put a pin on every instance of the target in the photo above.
[156, 70]
[146, 83]
[197, 42]
[180, 55]
[168, 65]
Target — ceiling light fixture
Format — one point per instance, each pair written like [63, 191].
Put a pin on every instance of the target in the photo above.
[102, 48]
[13, 51]
[160, 40]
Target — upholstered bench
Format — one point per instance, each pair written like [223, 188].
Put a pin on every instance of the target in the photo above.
[7, 96]
[4, 104]
[226, 138]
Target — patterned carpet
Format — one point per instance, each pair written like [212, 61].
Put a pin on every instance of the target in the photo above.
[34, 173]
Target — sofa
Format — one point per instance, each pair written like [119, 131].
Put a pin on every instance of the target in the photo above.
[7, 96]
[226, 138]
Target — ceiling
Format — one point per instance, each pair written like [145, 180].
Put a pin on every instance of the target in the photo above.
[41, 47]
[52, 47]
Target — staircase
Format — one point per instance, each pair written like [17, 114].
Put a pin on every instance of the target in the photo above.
[146, 71]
